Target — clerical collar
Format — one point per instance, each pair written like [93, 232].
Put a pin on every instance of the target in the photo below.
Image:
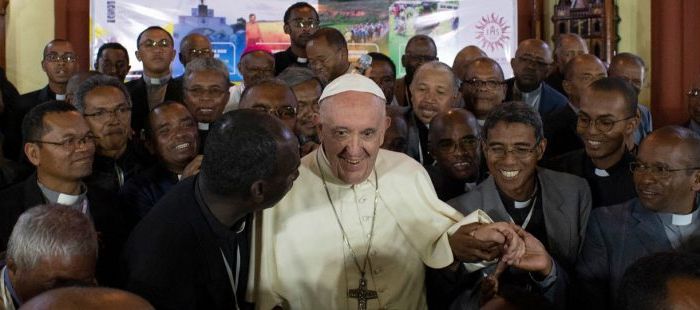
[601, 172]
[74, 201]
[203, 126]
[156, 81]
[575, 109]
[621, 166]
[61, 97]
[679, 219]
[302, 60]
[481, 122]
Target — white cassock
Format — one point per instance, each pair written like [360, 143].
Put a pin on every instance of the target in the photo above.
[305, 264]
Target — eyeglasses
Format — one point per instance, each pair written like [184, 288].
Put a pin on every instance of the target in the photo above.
[201, 91]
[150, 44]
[520, 152]
[484, 84]
[532, 62]
[195, 52]
[301, 24]
[656, 171]
[53, 57]
[282, 113]
[693, 92]
[104, 115]
[71, 144]
[603, 124]
[450, 146]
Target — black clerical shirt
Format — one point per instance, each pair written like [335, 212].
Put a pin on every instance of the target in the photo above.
[286, 59]
[535, 225]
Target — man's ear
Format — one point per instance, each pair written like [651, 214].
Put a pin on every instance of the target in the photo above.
[11, 266]
[404, 60]
[138, 55]
[257, 191]
[696, 181]
[541, 148]
[568, 88]
[633, 124]
[181, 58]
[287, 28]
[32, 152]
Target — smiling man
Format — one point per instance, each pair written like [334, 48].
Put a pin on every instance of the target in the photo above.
[206, 83]
[663, 218]
[380, 202]
[608, 114]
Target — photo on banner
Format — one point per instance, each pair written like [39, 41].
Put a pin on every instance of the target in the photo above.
[368, 26]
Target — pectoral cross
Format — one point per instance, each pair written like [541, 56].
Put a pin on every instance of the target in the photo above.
[362, 294]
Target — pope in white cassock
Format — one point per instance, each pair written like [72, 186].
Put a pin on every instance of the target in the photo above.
[360, 222]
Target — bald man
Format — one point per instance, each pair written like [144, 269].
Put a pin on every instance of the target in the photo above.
[455, 147]
[483, 87]
[665, 216]
[568, 46]
[88, 298]
[531, 64]
[632, 69]
[419, 50]
[274, 97]
[464, 57]
[560, 126]
[255, 66]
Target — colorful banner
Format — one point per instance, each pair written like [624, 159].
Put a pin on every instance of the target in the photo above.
[368, 26]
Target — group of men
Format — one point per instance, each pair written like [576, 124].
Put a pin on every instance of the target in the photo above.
[317, 184]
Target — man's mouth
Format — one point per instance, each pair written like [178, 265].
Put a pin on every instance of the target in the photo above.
[183, 146]
[509, 174]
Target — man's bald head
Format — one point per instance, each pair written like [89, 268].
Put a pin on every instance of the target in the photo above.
[464, 58]
[454, 116]
[194, 45]
[454, 144]
[630, 68]
[684, 140]
[531, 64]
[483, 86]
[103, 298]
[580, 72]
[568, 46]
[419, 50]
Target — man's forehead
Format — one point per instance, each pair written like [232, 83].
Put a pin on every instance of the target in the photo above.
[197, 41]
[60, 47]
[586, 65]
[272, 95]
[511, 131]
[258, 57]
[155, 35]
[206, 77]
[570, 43]
[303, 12]
[114, 53]
[429, 74]
[421, 47]
[606, 100]
[482, 68]
[65, 123]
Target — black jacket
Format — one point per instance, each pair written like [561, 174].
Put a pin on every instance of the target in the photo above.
[560, 131]
[139, 100]
[13, 116]
[106, 215]
[105, 169]
[143, 191]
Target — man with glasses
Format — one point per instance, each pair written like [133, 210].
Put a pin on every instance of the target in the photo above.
[551, 206]
[328, 54]
[155, 50]
[632, 69]
[206, 83]
[113, 60]
[419, 50]
[59, 62]
[300, 23]
[483, 87]
[694, 107]
[465, 57]
[531, 64]
[307, 89]
[665, 216]
[105, 104]
[454, 137]
[256, 64]
[274, 97]
[59, 143]
[560, 125]
[608, 114]
[193, 45]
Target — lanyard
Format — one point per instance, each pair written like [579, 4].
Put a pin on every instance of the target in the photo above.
[231, 279]
[529, 214]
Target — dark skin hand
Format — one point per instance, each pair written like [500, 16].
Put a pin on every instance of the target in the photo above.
[466, 248]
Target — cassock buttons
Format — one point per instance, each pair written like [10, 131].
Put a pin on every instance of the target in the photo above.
[363, 200]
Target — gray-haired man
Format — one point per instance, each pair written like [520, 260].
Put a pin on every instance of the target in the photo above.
[205, 87]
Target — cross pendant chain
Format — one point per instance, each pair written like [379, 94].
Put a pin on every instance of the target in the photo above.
[362, 294]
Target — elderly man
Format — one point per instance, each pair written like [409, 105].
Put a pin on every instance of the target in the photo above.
[360, 223]
[50, 246]
[419, 50]
[665, 216]
[434, 89]
[632, 69]
[74, 82]
[256, 64]
[483, 87]
[608, 114]
[251, 161]
[560, 125]
[105, 104]
[531, 64]
[274, 97]
[58, 142]
[300, 23]
[155, 50]
[103, 298]
[172, 137]
[113, 60]
[694, 107]
[454, 137]
[328, 54]
[307, 89]
[464, 58]
[384, 74]
[59, 62]
[552, 206]
[568, 46]
[194, 45]
[205, 85]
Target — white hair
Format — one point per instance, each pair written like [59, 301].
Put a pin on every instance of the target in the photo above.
[48, 231]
